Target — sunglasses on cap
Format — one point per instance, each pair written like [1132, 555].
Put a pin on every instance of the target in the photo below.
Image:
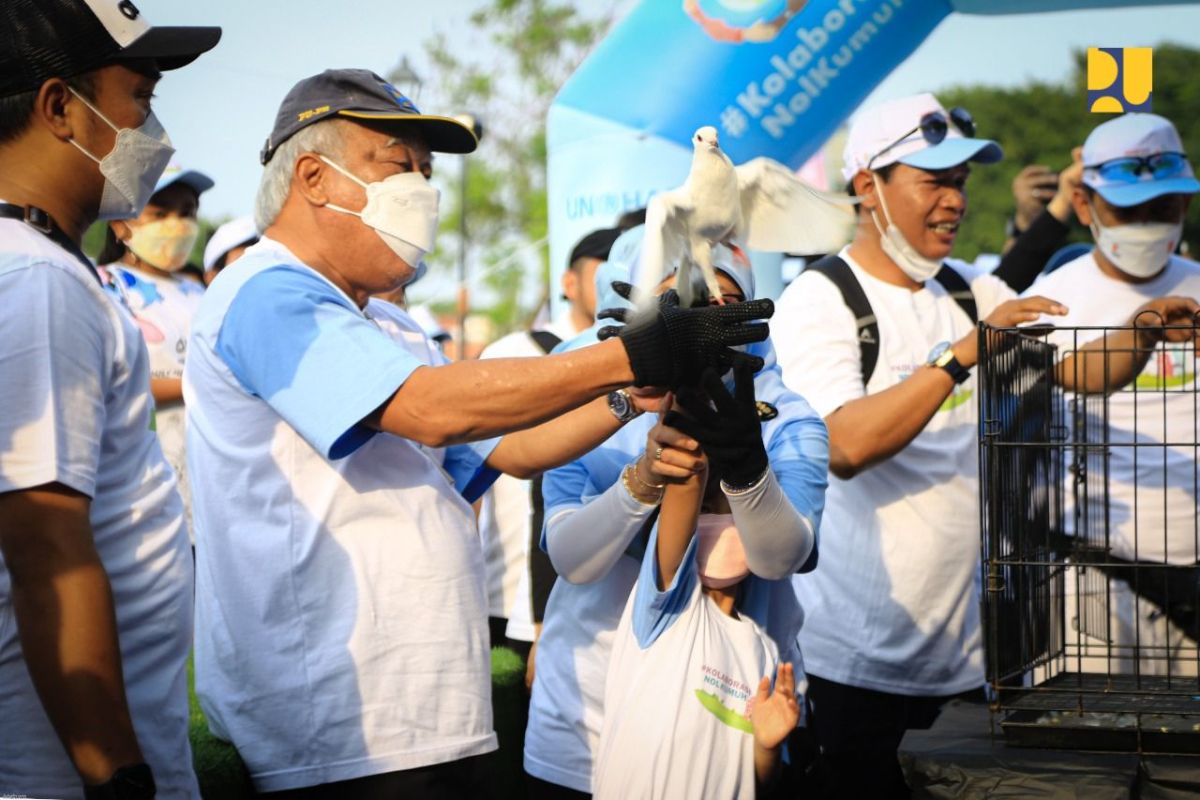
[933, 127]
[1129, 169]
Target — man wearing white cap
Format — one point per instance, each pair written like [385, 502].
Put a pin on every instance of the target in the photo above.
[96, 577]
[1137, 185]
[891, 613]
[227, 244]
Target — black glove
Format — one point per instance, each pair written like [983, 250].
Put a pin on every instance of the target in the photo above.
[671, 346]
[730, 434]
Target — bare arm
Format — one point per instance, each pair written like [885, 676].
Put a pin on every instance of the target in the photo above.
[874, 428]
[166, 390]
[1111, 362]
[527, 453]
[65, 619]
[471, 400]
[677, 524]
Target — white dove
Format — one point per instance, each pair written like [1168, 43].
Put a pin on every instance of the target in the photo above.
[761, 204]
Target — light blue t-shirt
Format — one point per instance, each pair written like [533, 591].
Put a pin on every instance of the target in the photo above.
[341, 618]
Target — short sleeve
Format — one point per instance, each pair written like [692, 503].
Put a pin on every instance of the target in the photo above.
[293, 340]
[56, 337]
[654, 611]
[467, 466]
[816, 341]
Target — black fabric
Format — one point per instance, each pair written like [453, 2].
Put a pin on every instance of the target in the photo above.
[545, 340]
[963, 757]
[41, 222]
[867, 327]
[671, 346]
[729, 429]
[1026, 259]
[453, 780]
[541, 571]
[539, 789]
[859, 732]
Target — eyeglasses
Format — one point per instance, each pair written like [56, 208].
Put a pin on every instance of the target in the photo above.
[933, 127]
[1130, 168]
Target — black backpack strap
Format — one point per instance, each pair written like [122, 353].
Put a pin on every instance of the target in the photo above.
[958, 288]
[866, 326]
[545, 340]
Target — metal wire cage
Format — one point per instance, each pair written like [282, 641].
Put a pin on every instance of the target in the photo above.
[1090, 537]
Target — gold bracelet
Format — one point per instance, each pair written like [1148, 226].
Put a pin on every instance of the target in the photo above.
[654, 487]
[632, 493]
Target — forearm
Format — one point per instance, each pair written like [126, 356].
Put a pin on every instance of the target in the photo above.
[585, 543]
[530, 452]
[776, 537]
[63, 606]
[471, 400]
[1106, 364]
[677, 526]
[166, 391]
[873, 428]
[766, 765]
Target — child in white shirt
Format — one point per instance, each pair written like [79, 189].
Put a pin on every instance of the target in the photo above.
[690, 710]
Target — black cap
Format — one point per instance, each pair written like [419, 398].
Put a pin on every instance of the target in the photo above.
[43, 39]
[596, 244]
[361, 94]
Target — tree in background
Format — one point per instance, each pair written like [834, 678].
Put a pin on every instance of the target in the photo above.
[535, 45]
[1040, 123]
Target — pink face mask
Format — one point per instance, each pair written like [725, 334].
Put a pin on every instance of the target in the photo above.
[720, 557]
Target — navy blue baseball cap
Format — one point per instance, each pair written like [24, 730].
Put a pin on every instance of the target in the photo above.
[359, 94]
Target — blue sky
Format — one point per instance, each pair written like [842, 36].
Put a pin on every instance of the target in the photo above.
[220, 109]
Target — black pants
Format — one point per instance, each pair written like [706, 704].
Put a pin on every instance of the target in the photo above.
[859, 732]
[454, 780]
[545, 790]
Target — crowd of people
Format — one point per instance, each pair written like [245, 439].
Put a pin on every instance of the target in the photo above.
[737, 564]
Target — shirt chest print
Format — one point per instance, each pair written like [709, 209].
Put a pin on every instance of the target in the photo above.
[1170, 368]
[717, 688]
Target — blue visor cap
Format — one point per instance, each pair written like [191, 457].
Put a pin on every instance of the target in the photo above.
[1132, 194]
[952, 151]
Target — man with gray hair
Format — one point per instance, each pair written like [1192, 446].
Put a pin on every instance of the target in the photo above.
[341, 638]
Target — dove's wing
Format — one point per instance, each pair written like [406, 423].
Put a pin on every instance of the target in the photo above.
[783, 214]
[666, 243]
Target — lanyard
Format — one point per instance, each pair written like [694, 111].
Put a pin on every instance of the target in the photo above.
[41, 222]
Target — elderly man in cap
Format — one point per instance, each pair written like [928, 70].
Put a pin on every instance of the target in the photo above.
[96, 576]
[342, 640]
[1137, 185]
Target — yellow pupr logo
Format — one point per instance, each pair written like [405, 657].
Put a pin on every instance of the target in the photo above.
[1119, 79]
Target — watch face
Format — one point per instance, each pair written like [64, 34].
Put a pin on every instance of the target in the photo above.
[619, 404]
[936, 352]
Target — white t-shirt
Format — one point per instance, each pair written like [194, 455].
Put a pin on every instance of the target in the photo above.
[1159, 406]
[505, 513]
[893, 604]
[341, 619]
[678, 690]
[75, 408]
[163, 308]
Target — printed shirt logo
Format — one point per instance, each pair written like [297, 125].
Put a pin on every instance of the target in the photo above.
[1119, 79]
[721, 687]
[1171, 368]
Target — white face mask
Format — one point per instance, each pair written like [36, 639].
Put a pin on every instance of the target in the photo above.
[164, 243]
[897, 248]
[132, 168]
[1140, 249]
[403, 210]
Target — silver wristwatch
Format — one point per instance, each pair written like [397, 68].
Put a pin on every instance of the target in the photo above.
[620, 403]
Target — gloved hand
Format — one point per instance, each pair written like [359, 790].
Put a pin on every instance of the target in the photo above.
[669, 346]
[731, 434]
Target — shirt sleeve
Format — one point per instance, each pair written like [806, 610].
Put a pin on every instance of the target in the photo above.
[654, 611]
[816, 340]
[56, 337]
[291, 339]
[467, 466]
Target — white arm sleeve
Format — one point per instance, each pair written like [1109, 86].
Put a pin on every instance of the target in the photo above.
[584, 543]
[778, 539]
